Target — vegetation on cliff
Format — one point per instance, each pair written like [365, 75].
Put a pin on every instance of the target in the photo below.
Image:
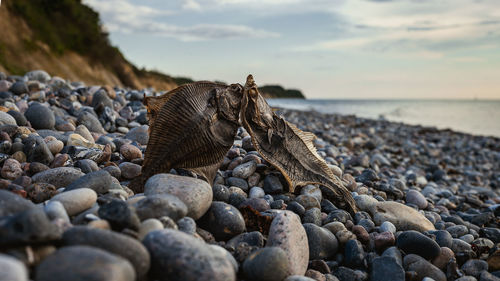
[65, 38]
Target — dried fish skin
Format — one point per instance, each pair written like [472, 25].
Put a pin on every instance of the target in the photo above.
[193, 128]
[288, 148]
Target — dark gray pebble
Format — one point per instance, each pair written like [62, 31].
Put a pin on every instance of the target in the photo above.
[111, 241]
[99, 181]
[386, 268]
[119, 215]
[322, 243]
[266, 264]
[176, 255]
[11, 203]
[224, 221]
[84, 263]
[272, 184]
[413, 242]
[159, 205]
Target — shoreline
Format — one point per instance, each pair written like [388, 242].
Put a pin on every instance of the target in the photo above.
[428, 199]
[461, 116]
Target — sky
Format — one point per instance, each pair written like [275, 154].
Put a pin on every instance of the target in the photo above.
[335, 49]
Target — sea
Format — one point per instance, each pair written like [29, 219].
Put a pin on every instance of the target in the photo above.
[477, 117]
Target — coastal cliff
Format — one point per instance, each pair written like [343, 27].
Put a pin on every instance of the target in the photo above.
[66, 39]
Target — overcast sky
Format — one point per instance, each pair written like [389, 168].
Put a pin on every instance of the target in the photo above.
[326, 48]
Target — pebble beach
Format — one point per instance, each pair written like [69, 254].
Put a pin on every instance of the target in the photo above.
[428, 199]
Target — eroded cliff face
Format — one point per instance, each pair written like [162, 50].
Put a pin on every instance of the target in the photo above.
[21, 51]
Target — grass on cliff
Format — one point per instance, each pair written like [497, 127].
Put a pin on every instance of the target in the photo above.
[65, 25]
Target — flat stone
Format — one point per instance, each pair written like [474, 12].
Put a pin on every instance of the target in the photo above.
[59, 177]
[12, 269]
[76, 201]
[245, 170]
[111, 241]
[100, 181]
[266, 264]
[402, 216]
[287, 232]
[176, 255]
[84, 263]
[195, 193]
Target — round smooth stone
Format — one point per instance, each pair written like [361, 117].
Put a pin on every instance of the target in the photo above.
[83, 263]
[266, 264]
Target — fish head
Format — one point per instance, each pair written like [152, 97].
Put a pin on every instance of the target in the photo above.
[229, 102]
[254, 106]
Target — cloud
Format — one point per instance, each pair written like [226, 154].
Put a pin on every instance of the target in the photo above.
[191, 5]
[424, 28]
[125, 17]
